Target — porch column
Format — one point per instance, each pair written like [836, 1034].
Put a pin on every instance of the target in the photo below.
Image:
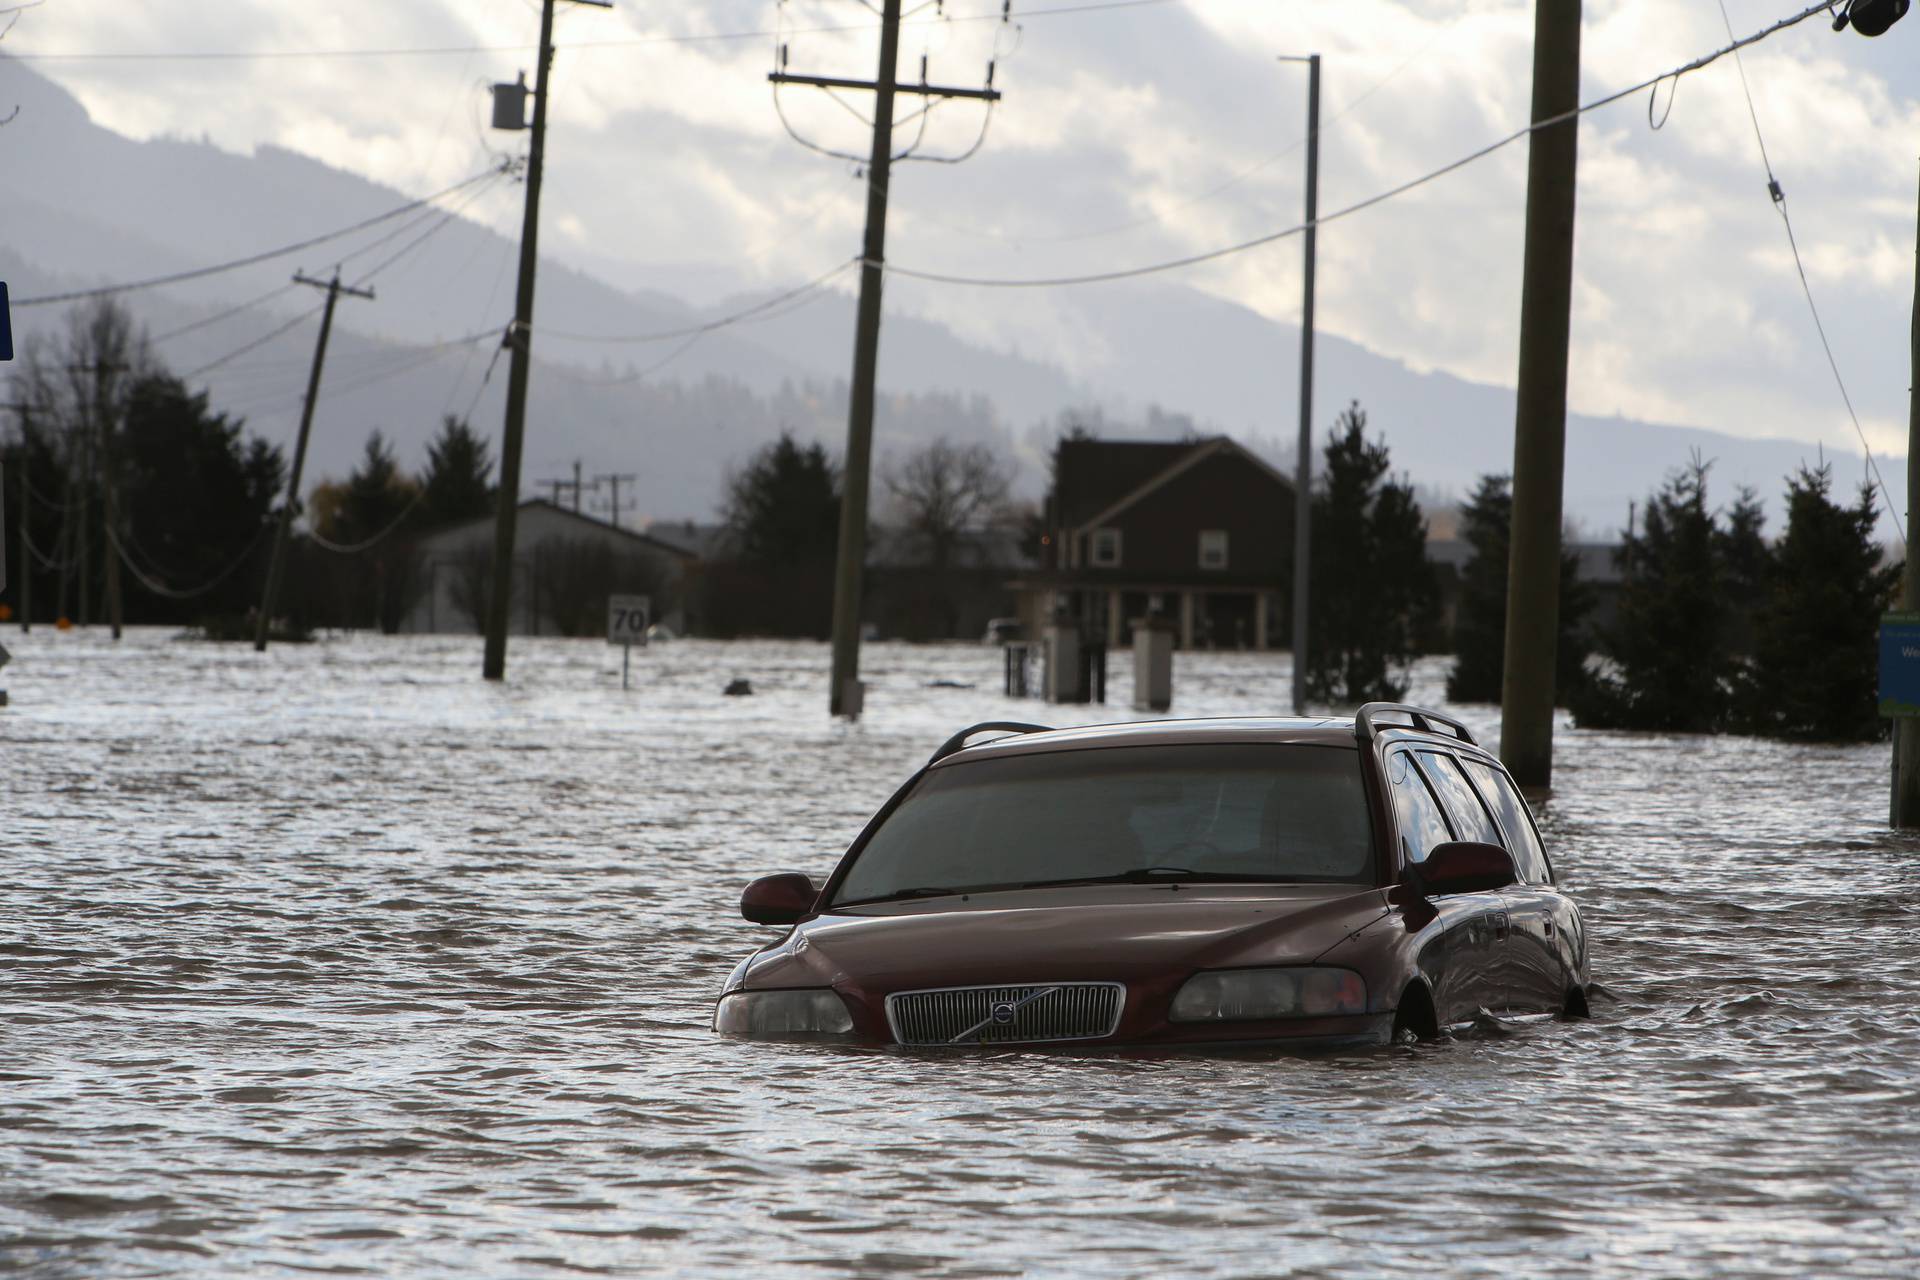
[1260, 600]
[1113, 619]
[1186, 619]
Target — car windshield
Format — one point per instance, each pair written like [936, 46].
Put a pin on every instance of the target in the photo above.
[1275, 813]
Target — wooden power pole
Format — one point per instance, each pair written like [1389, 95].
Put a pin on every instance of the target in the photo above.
[269, 596]
[613, 482]
[843, 697]
[1906, 729]
[519, 344]
[1303, 464]
[1540, 420]
[99, 465]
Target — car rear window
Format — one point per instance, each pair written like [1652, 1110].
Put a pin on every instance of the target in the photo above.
[1288, 813]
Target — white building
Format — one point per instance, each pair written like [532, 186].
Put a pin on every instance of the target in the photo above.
[565, 564]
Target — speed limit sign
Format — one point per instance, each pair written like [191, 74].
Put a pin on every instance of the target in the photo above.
[627, 618]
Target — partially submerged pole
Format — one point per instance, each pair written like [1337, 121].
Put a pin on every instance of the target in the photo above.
[1906, 729]
[1540, 420]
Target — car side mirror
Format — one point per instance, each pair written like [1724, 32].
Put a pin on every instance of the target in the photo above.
[1464, 866]
[778, 899]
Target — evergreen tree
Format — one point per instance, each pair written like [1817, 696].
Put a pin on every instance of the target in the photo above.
[782, 513]
[457, 484]
[1815, 672]
[195, 499]
[784, 507]
[362, 522]
[1480, 623]
[376, 495]
[1372, 589]
[1670, 654]
[1748, 562]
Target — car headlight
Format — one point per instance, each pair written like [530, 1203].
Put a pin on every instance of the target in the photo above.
[777, 1015]
[1245, 995]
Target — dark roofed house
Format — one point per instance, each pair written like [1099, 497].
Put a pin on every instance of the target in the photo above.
[1199, 530]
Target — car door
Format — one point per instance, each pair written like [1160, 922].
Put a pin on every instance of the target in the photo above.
[1473, 820]
[1544, 928]
[1460, 963]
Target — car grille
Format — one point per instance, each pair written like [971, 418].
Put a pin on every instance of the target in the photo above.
[1034, 1012]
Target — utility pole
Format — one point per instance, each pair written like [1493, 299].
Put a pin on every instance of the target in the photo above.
[275, 566]
[613, 483]
[1540, 421]
[26, 555]
[574, 486]
[110, 492]
[1906, 729]
[24, 412]
[99, 465]
[1303, 466]
[578, 485]
[83, 553]
[844, 694]
[519, 342]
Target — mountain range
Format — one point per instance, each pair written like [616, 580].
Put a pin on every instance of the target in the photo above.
[86, 206]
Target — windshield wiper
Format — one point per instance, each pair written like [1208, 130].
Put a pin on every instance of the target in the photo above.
[1160, 875]
[919, 891]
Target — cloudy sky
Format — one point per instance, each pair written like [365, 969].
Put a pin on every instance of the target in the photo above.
[1131, 134]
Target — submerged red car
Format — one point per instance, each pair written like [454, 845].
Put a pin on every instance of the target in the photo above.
[1306, 881]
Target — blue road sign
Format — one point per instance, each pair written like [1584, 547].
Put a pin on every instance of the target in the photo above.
[1900, 664]
[6, 325]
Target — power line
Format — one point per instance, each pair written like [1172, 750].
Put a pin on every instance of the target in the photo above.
[723, 322]
[260, 341]
[1786, 220]
[1243, 246]
[711, 37]
[1202, 197]
[408, 360]
[252, 259]
[217, 317]
[447, 217]
[358, 547]
[172, 593]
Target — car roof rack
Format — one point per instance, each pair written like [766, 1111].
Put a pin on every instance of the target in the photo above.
[959, 740]
[1423, 720]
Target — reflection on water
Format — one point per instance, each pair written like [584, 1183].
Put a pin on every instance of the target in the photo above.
[343, 961]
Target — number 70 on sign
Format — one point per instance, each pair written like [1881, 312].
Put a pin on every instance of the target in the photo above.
[627, 619]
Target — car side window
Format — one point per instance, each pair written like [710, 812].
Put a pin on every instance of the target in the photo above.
[1422, 823]
[1522, 841]
[1469, 815]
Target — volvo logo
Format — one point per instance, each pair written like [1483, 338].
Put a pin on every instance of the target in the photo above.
[1001, 1013]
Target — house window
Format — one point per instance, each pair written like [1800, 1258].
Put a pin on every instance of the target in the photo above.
[1213, 548]
[1105, 553]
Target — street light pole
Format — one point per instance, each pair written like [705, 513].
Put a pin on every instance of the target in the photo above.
[1303, 464]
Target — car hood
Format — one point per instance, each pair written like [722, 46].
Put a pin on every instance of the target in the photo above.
[1084, 933]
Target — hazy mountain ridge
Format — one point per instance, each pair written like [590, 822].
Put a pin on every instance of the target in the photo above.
[93, 206]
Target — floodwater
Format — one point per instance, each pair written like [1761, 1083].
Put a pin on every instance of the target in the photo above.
[343, 962]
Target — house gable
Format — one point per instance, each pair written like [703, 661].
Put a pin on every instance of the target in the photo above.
[1226, 493]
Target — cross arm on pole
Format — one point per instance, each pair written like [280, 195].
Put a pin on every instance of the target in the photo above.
[923, 90]
[301, 277]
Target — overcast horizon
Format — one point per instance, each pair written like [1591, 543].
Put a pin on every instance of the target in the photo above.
[1128, 135]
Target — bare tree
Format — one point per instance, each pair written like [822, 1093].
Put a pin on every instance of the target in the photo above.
[944, 495]
[75, 388]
